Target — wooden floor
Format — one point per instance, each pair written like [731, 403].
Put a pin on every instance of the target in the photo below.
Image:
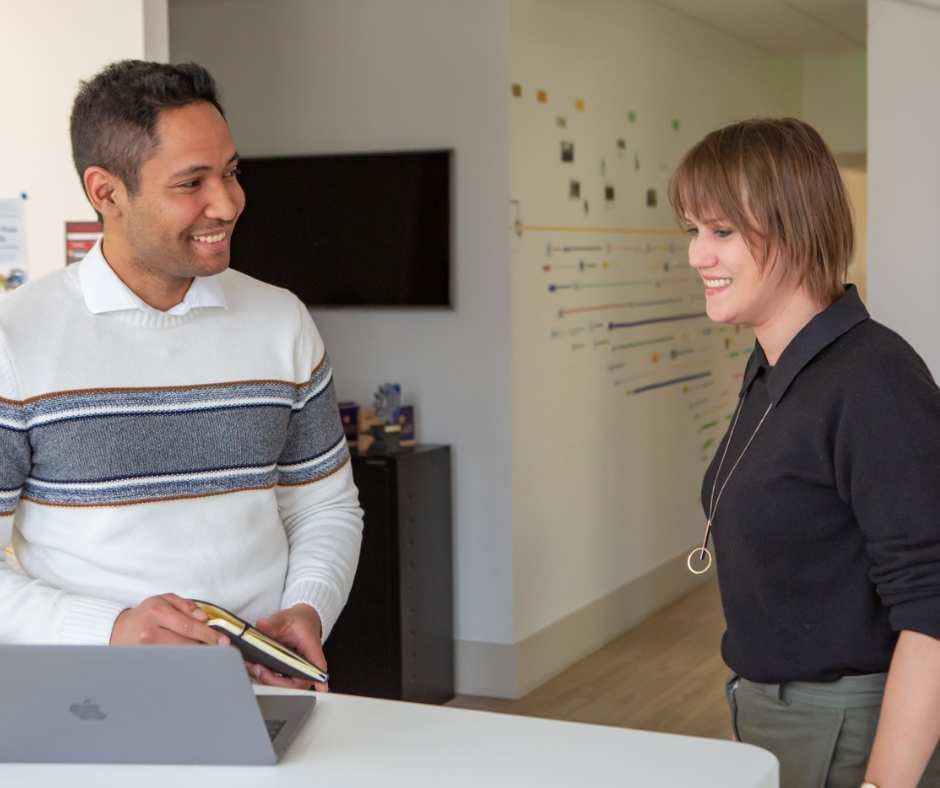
[664, 675]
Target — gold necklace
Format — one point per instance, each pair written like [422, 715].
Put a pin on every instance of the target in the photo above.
[704, 554]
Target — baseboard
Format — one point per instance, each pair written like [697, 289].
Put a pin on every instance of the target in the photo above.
[487, 669]
[511, 670]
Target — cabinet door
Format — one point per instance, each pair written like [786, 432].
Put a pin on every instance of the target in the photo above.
[363, 650]
[426, 577]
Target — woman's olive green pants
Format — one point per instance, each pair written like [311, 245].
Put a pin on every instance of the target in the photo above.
[821, 733]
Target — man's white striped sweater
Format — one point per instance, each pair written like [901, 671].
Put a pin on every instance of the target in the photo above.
[143, 452]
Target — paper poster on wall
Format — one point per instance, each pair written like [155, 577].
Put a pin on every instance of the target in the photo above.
[13, 269]
[79, 238]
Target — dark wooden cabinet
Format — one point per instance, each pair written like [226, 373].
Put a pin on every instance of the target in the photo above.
[395, 637]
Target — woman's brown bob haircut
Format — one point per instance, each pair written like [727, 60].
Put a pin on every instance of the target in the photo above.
[776, 182]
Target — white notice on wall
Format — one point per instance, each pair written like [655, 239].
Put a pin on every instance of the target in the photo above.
[12, 242]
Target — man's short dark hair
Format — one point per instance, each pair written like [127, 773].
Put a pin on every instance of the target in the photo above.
[114, 117]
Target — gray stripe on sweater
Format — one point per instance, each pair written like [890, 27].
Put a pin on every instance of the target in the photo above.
[314, 429]
[14, 460]
[84, 457]
[116, 447]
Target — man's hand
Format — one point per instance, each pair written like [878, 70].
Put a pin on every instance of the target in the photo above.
[164, 620]
[299, 628]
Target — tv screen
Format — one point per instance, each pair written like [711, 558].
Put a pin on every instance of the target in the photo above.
[370, 229]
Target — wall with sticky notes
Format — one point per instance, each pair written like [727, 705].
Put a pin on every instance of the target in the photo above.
[622, 387]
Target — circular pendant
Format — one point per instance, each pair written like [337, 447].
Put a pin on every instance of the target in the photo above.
[704, 558]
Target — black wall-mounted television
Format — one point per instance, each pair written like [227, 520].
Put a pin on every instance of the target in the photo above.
[369, 229]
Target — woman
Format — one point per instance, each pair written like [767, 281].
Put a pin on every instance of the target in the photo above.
[823, 500]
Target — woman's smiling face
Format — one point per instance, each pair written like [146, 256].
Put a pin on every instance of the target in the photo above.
[738, 289]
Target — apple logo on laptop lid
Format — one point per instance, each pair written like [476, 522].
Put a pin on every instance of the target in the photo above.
[87, 710]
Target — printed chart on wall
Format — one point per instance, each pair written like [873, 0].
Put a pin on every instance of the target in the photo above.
[613, 318]
[12, 242]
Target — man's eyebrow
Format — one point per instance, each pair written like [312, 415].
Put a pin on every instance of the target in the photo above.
[197, 168]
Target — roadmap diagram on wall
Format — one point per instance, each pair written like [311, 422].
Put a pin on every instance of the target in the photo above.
[608, 310]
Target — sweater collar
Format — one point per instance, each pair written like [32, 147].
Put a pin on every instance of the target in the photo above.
[825, 328]
[104, 291]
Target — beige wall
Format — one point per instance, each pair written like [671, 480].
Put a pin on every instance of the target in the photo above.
[46, 47]
[834, 99]
[856, 185]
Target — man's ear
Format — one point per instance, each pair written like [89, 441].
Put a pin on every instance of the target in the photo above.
[105, 191]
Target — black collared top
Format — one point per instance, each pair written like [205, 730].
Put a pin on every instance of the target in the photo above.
[827, 535]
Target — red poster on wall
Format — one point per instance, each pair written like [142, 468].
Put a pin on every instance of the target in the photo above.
[79, 238]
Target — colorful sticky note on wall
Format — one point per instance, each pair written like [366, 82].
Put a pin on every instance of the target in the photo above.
[541, 96]
[579, 105]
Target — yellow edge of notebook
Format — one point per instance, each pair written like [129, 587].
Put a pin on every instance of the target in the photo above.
[222, 618]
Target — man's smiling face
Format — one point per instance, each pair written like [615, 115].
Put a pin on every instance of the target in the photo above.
[179, 222]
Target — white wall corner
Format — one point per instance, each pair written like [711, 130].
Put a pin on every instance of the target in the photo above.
[903, 170]
[486, 669]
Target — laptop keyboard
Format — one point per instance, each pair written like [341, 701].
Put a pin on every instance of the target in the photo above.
[274, 727]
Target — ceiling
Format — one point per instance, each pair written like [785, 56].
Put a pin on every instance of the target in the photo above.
[784, 26]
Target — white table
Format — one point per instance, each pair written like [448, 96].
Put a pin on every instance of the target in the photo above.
[352, 742]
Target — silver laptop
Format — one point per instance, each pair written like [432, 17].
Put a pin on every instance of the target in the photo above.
[140, 704]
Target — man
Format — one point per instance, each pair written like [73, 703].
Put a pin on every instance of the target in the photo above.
[166, 423]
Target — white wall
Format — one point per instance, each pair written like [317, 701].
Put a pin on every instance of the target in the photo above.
[904, 171]
[563, 494]
[46, 47]
[605, 486]
[341, 75]
[156, 30]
